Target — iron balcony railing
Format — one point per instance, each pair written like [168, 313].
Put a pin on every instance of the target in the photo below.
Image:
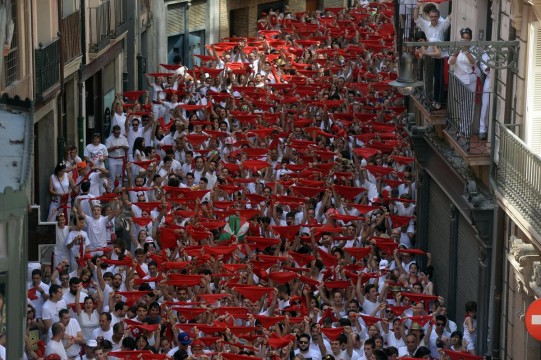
[424, 69]
[120, 17]
[463, 111]
[99, 27]
[71, 36]
[518, 176]
[47, 63]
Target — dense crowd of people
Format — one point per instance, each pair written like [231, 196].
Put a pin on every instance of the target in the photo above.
[260, 204]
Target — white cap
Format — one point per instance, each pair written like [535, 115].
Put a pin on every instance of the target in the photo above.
[92, 343]
[383, 264]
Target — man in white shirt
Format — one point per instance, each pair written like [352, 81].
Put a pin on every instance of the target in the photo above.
[119, 118]
[117, 146]
[73, 334]
[105, 330]
[55, 345]
[304, 348]
[38, 291]
[96, 152]
[51, 308]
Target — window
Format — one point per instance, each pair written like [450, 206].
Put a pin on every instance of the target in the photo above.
[69, 7]
[11, 60]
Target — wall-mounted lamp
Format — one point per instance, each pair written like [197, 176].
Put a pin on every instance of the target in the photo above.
[406, 82]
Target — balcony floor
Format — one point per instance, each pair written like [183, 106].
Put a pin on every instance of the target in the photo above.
[479, 153]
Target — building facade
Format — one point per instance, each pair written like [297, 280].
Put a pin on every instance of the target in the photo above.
[482, 195]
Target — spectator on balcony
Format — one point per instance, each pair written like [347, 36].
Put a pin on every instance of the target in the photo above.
[464, 62]
[483, 120]
[406, 10]
[434, 30]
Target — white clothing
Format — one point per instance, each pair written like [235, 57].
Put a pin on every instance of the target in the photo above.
[97, 231]
[56, 347]
[89, 323]
[72, 329]
[38, 303]
[51, 309]
[74, 251]
[465, 71]
[61, 252]
[310, 354]
[471, 338]
[116, 156]
[97, 154]
[107, 335]
[119, 120]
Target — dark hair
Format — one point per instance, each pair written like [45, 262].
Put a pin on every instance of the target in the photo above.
[37, 272]
[58, 168]
[465, 31]
[54, 289]
[85, 186]
[420, 35]
[370, 342]
[128, 343]
[138, 144]
[470, 306]
[107, 315]
[380, 354]
[119, 305]
[421, 351]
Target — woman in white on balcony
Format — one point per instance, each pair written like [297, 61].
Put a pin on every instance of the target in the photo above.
[464, 62]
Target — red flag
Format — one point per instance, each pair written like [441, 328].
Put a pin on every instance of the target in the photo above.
[268, 321]
[327, 259]
[332, 333]
[302, 259]
[282, 277]
[253, 293]
[370, 320]
[358, 253]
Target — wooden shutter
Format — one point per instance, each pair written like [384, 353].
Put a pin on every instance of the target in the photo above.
[533, 119]
[175, 19]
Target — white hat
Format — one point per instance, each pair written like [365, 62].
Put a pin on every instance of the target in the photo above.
[149, 239]
[383, 264]
[92, 343]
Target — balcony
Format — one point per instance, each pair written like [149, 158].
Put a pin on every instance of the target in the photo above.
[99, 27]
[121, 24]
[47, 68]
[71, 37]
[517, 177]
[462, 127]
[458, 119]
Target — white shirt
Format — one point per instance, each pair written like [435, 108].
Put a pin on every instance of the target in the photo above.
[38, 303]
[51, 309]
[96, 153]
[111, 141]
[56, 347]
[97, 231]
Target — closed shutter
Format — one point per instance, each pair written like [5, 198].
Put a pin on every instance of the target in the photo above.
[467, 277]
[198, 15]
[533, 121]
[439, 229]
[175, 19]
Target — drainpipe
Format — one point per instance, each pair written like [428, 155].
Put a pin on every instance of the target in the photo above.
[60, 99]
[81, 85]
[498, 238]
